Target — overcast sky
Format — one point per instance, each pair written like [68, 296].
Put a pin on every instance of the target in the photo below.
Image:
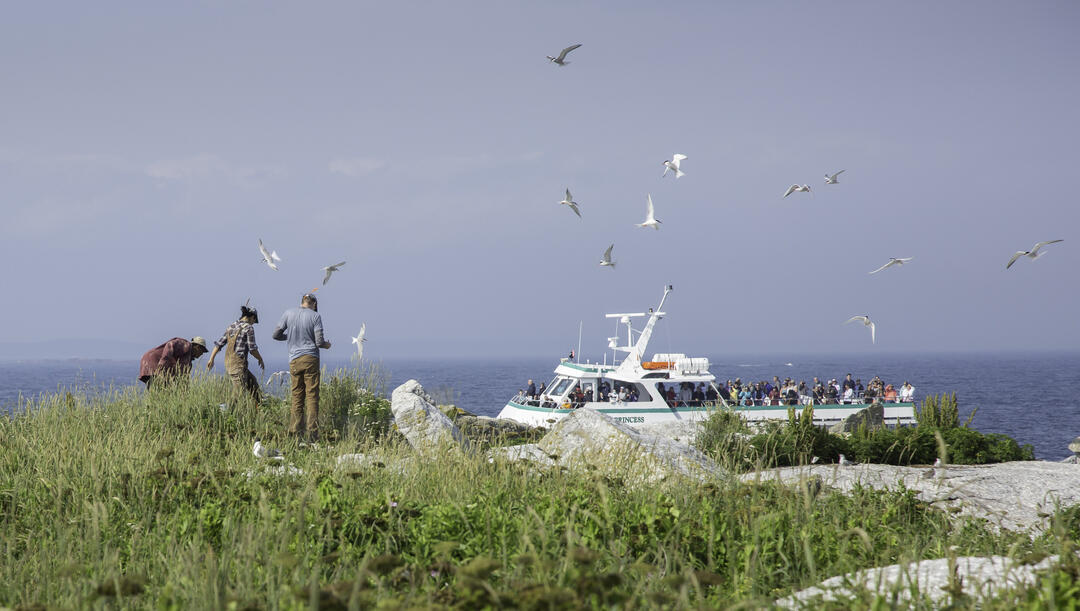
[145, 147]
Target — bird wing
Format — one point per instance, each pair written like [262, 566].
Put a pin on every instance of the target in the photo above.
[273, 255]
[326, 278]
[337, 265]
[651, 211]
[873, 340]
[1018, 254]
[271, 264]
[1041, 244]
[833, 177]
[677, 157]
[903, 259]
[262, 249]
[790, 190]
[607, 253]
[862, 319]
[562, 55]
[569, 198]
[363, 330]
[573, 206]
[883, 267]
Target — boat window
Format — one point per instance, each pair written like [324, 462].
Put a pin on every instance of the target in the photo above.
[560, 386]
[643, 394]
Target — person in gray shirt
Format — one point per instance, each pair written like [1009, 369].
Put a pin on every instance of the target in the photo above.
[302, 328]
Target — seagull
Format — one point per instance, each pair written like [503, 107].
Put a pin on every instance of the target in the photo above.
[359, 341]
[262, 451]
[650, 217]
[794, 188]
[569, 201]
[866, 321]
[845, 461]
[330, 269]
[1031, 254]
[561, 59]
[673, 164]
[892, 261]
[606, 261]
[832, 180]
[268, 257]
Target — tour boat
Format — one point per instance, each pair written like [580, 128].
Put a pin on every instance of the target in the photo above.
[633, 390]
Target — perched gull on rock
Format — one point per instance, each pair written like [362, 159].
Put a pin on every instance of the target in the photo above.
[1031, 254]
[359, 341]
[268, 257]
[561, 59]
[866, 321]
[569, 201]
[330, 269]
[794, 188]
[262, 451]
[832, 180]
[673, 164]
[892, 261]
[650, 217]
[606, 261]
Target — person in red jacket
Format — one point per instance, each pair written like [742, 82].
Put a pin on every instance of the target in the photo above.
[170, 360]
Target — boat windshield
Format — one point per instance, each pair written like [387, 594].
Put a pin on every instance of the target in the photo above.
[559, 387]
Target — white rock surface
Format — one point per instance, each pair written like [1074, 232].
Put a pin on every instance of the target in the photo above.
[425, 427]
[980, 577]
[529, 451]
[1014, 495]
[683, 431]
[588, 439]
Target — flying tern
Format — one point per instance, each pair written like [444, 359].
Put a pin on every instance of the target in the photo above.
[650, 217]
[832, 180]
[794, 188]
[569, 201]
[330, 269]
[866, 321]
[892, 261]
[606, 261]
[561, 59]
[268, 257]
[359, 341]
[1031, 254]
[673, 164]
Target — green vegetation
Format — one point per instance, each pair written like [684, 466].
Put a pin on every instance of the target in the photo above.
[154, 500]
[728, 439]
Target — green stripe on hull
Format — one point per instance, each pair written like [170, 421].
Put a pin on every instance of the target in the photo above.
[686, 410]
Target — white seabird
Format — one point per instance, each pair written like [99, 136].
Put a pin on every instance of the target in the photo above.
[794, 188]
[832, 180]
[268, 257]
[277, 376]
[606, 260]
[330, 269]
[262, 451]
[650, 217]
[866, 321]
[844, 461]
[673, 164]
[1031, 254]
[561, 59]
[359, 341]
[892, 261]
[569, 201]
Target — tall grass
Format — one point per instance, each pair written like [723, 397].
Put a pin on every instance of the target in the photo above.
[137, 500]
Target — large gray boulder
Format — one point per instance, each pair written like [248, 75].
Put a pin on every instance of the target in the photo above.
[587, 439]
[872, 417]
[1016, 496]
[425, 427]
[528, 452]
[977, 577]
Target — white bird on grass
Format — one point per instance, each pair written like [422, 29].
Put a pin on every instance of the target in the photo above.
[866, 321]
[268, 257]
[569, 201]
[892, 261]
[561, 59]
[673, 164]
[606, 261]
[262, 451]
[832, 180]
[359, 341]
[794, 188]
[1031, 254]
[330, 269]
[650, 217]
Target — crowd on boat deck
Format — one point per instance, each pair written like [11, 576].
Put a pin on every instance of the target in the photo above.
[789, 392]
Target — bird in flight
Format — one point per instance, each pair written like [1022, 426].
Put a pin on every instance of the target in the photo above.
[673, 165]
[1031, 254]
[794, 188]
[561, 59]
[650, 217]
[866, 321]
[277, 377]
[606, 261]
[268, 257]
[359, 341]
[832, 180]
[892, 261]
[569, 201]
[330, 269]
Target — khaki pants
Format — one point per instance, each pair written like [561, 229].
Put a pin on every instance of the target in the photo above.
[304, 412]
[245, 381]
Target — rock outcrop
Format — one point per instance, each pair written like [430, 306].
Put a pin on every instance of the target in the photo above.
[872, 417]
[425, 427]
[1015, 495]
[977, 578]
[529, 452]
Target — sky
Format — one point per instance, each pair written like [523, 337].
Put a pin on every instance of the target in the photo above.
[146, 147]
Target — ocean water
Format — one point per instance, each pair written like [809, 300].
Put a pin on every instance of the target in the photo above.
[1034, 398]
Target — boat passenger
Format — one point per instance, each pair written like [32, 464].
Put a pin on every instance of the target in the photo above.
[831, 395]
[672, 398]
[849, 394]
[712, 394]
[848, 383]
[890, 394]
[859, 388]
[907, 392]
[774, 396]
[745, 397]
[530, 391]
[805, 394]
[543, 388]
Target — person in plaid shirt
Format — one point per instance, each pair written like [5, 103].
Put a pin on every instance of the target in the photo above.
[238, 342]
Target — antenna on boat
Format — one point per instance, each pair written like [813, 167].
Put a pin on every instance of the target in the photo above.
[580, 326]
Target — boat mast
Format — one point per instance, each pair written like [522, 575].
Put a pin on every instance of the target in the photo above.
[637, 353]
